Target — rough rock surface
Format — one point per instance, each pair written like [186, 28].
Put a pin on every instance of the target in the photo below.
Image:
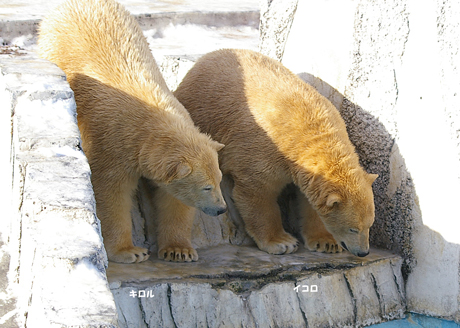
[241, 286]
[56, 270]
[275, 23]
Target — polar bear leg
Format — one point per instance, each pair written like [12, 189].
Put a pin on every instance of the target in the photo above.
[174, 228]
[314, 233]
[113, 206]
[262, 217]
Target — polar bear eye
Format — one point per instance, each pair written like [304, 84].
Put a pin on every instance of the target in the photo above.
[207, 188]
[354, 230]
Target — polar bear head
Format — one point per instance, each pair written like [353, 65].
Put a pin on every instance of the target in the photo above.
[348, 214]
[198, 185]
[188, 170]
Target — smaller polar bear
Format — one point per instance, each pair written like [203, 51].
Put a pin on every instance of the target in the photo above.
[132, 126]
[277, 129]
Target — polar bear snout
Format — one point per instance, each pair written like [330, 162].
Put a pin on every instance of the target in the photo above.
[214, 211]
[357, 251]
[222, 210]
[212, 202]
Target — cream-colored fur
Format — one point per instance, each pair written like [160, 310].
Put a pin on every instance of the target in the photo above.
[277, 129]
[131, 126]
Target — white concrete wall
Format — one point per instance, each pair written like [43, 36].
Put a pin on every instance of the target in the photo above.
[392, 69]
[52, 251]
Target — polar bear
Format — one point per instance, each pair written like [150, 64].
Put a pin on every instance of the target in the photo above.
[277, 129]
[132, 126]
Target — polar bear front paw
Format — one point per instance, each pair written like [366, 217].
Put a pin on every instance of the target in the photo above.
[323, 245]
[131, 255]
[284, 243]
[178, 254]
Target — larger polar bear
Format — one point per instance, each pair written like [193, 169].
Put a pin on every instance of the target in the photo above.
[277, 129]
[132, 126]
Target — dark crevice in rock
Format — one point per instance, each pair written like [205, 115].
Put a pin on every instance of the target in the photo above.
[398, 286]
[242, 282]
[379, 297]
[301, 310]
[353, 299]
[144, 319]
[170, 305]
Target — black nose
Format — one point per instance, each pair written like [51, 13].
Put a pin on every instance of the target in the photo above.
[221, 211]
[362, 254]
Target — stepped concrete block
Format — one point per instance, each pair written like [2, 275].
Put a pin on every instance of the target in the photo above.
[388, 291]
[57, 262]
[192, 304]
[131, 310]
[331, 305]
[377, 292]
[366, 301]
[232, 310]
[276, 305]
[241, 286]
[156, 311]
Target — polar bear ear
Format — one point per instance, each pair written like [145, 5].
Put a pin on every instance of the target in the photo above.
[372, 177]
[183, 169]
[177, 170]
[333, 199]
[218, 146]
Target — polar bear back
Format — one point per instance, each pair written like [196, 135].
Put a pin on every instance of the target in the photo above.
[80, 39]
